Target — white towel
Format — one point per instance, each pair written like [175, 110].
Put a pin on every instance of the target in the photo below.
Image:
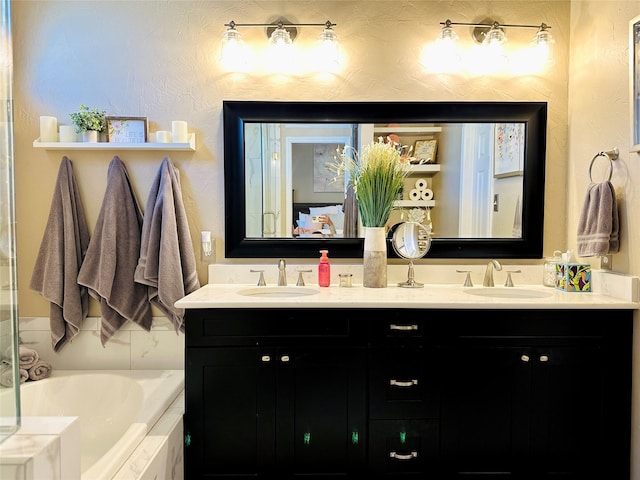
[109, 266]
[64, 244]
[167, 261]
[598, 226]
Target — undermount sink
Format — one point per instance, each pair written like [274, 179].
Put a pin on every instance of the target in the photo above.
[273, 292]
[507, 292]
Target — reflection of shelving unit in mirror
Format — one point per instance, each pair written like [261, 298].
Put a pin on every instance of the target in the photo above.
[188, 146]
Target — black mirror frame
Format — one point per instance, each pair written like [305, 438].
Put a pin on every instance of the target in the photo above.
[237, 113]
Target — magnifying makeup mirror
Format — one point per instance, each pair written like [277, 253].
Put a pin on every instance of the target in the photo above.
[410, 240]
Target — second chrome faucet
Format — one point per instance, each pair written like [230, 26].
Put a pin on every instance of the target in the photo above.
[282, 273]
[488, 273]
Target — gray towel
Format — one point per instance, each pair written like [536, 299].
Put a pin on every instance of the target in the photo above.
[109, 266]
[350, 208]
[598, 227]
[64, 244]
[40, 370]
[28, 357]
[167, 261]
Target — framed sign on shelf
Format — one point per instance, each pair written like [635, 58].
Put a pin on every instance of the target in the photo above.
[424, 151]
[127, 129]
[634, 82]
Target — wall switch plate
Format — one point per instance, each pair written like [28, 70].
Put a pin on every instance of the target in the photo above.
[606, 262]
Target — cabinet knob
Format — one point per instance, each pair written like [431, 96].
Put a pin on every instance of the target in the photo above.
[265, 358]
[404, 328]
[404, 456]
[399, 383]
[284, 358]
[524, 358]
[544, 358]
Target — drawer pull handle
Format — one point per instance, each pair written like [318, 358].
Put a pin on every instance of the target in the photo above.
[284, 358]
[399, 383]
[404, 328]
[524, 358]
[265, 358]
[401, 456]
[544, 358]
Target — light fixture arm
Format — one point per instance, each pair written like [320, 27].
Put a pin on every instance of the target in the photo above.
[280, 24]
[448, 23]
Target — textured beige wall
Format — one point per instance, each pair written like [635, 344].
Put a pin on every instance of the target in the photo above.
[599, 119]
[158, 59]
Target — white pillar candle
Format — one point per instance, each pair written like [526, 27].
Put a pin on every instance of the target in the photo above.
[68, 134]
[48, 129]
[163, 136]
[179, 131]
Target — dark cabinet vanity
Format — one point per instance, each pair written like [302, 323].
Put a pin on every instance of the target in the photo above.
[422, 393]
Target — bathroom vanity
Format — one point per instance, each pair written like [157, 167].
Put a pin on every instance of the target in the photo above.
[430, 383]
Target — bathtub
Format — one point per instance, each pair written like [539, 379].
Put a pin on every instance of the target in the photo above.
[116, 409]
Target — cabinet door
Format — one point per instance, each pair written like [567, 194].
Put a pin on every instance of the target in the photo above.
[484, 409]
[225, 387]
[321, 413]
[567, 434]
[524, 410]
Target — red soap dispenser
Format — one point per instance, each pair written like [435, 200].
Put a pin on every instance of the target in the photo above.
[324, 270]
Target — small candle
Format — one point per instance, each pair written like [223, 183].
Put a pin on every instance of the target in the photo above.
[163, 136]
[68, 134]
[48, 129]
[179, 131]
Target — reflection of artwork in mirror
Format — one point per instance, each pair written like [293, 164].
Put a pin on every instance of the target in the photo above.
[509, 149]
[424, 151]
[324, 180]
[634, 82]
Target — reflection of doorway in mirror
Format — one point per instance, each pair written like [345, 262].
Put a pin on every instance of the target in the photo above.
[325, 180]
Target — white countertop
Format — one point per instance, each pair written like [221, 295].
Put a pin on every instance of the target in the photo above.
[430, 297]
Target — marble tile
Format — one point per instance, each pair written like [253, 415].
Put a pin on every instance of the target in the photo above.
[157, 350]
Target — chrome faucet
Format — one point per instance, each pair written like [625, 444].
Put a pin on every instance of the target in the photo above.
[488, 274]
[282, 273]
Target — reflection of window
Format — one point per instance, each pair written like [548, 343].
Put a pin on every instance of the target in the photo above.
[324, 180]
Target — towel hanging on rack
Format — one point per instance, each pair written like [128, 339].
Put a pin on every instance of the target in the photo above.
[598, 226]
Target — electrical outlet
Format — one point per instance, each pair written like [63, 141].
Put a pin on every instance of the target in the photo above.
[606, 262]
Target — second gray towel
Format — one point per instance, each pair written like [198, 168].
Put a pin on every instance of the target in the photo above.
[109, 266]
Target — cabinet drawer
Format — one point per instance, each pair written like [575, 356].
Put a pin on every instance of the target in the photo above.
[403, 446]
[267, 326]
[403, 383]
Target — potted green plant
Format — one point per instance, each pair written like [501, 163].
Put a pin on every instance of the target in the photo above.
[377, 175]
[87, 120]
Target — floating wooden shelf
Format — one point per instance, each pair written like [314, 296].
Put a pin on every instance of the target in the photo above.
[189, 146]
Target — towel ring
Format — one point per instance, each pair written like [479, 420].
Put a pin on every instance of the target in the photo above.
[611, 155]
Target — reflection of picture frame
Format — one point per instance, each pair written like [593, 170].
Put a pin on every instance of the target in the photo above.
[509, 150]
[634, 82]
[424, 151]
[127, 129]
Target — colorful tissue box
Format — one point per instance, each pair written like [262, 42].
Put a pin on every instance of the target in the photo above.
[573, 277]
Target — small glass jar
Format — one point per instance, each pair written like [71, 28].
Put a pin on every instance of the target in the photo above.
[345, 279]
[549, 269]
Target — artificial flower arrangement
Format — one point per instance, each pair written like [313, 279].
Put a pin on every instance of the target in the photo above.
[377, 174]
[89, 119]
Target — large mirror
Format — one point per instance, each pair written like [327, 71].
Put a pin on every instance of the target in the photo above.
[476, 180]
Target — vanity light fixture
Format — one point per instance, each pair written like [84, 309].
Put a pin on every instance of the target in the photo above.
[491, 35]
[281, 35]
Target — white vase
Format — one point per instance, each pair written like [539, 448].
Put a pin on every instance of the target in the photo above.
[90, 136]
[374, 257]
